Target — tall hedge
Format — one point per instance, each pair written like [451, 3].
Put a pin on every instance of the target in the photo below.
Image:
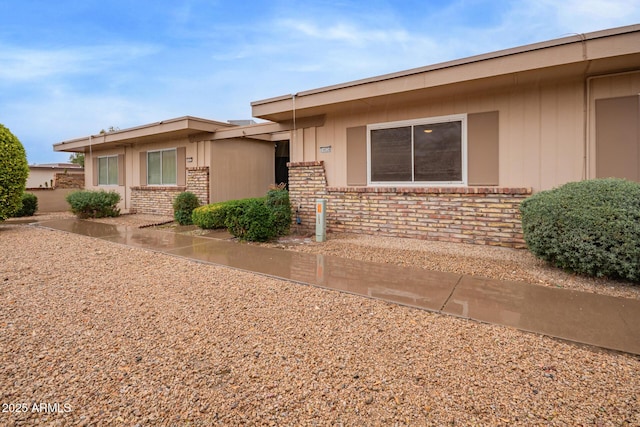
[589, 227]
[14, 171]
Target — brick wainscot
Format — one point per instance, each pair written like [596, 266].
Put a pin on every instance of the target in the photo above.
[158, 200]
[479, 215]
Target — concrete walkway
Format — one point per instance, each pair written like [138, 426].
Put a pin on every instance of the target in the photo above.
[602, 321]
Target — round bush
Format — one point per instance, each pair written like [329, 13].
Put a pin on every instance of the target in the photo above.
[250, 219]
[210, 216]
[29, 205]
[13, 173]
[183, 207]
[94, 204]
[589, 227]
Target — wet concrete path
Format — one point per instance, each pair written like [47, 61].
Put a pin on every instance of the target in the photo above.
[602, 321]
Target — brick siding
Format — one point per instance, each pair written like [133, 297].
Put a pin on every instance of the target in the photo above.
[69, 180]
[158, 200]
[479, 215]
[198, 183]
[154, 200]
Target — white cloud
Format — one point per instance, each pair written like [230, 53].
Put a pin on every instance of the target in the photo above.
[22, 64]
[591, 15]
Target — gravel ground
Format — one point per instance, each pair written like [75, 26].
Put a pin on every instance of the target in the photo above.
[483, 261]
[94, 333]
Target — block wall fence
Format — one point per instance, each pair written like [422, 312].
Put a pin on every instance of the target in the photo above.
[478, 215]
[158, 200]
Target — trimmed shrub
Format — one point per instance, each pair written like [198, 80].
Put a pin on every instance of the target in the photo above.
[94, 204]
[589, 227]
[256, 219]
[183, 207]
[13, 173]
[249, 219]
[29, 205]
[210, 216]
[278, 202]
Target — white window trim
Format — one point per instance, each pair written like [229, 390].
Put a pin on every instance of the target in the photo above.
[425, 121]
[160, 151]
[98, 166]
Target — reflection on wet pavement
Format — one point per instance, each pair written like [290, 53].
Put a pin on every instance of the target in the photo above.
[598, 320]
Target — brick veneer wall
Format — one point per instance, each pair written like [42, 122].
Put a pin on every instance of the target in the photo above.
[479, 215]
[69, 180]
[158, 200]
[154, 200]
[198, 183]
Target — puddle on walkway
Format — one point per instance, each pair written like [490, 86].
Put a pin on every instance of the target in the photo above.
[598, 320]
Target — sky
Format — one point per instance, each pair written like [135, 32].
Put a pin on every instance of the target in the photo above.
[70, 68]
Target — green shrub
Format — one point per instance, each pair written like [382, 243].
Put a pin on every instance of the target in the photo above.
[589, 227]
[248, 219]
[29, 205]
[13, 173]
[183, 207]
[210, 216]
[255, 219]
[94, 204]
[278, 202]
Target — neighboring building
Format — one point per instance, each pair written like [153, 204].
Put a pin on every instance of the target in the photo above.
[44, 175]
[150, 164]
[444, 152]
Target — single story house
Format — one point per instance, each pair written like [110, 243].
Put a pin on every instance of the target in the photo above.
[150, 165]
[444, 152]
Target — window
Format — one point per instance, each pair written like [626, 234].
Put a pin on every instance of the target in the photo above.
[108, 170]
[426, 151]
[162, 167]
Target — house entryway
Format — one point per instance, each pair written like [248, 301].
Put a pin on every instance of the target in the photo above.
[282, 158]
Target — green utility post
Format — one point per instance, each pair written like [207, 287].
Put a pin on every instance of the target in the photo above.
[321, 220]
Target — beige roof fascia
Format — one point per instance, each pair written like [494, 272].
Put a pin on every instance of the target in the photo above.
[268, 131]
[554, 53]
[181, 127]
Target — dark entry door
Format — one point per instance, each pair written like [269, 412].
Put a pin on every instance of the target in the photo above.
[282, 158]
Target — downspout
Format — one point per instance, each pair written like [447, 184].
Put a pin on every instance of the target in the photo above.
[295, 130]
[91, 159]
[585, 110]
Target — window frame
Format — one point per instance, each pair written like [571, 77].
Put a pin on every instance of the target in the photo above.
[163, 184]
[117, 177]
[417, 122]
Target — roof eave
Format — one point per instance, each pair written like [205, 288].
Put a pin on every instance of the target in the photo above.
[184, 126]
[271, 107]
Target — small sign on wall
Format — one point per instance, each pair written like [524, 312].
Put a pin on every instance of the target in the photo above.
[326, 149]
[189, 159]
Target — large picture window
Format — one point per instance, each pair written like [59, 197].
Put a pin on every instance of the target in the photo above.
[108, 170]
[162, 167]
[428, 151]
